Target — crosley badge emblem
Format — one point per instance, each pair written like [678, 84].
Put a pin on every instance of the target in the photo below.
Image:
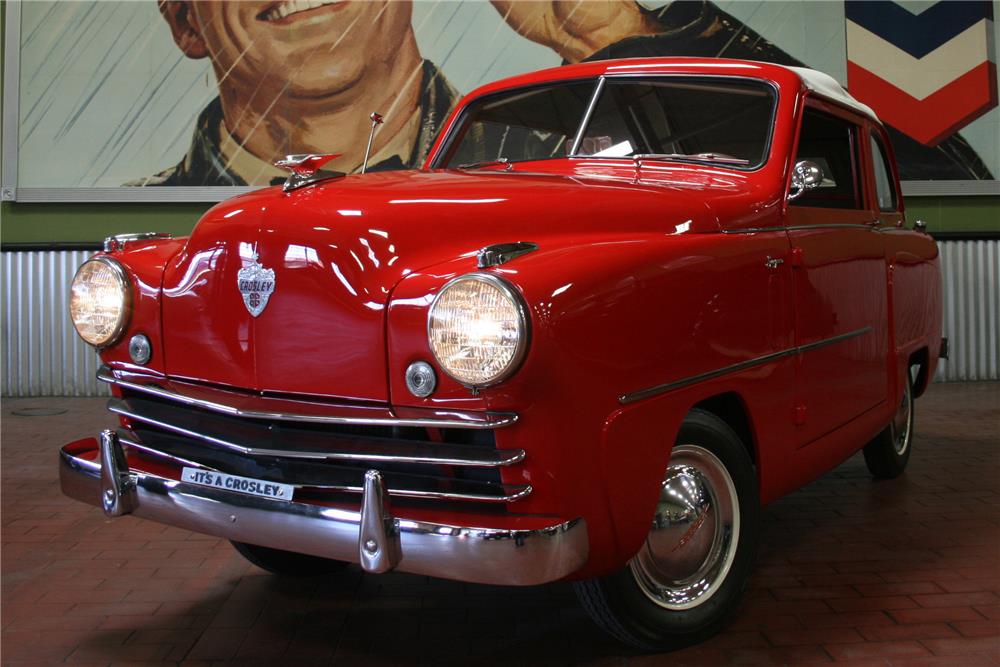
[256, 285]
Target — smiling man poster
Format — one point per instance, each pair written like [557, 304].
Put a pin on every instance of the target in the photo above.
[209, 92]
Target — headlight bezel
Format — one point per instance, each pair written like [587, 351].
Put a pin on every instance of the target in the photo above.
[523, 320]
[121, 276]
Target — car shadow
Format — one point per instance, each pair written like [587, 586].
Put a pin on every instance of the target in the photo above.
[354, 618]
[350, 617]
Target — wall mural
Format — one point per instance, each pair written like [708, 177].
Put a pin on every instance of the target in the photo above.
[195, 93]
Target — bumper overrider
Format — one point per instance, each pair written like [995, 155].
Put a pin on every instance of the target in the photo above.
[95, 471]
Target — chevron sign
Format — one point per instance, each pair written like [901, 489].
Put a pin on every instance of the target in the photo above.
[927, 74]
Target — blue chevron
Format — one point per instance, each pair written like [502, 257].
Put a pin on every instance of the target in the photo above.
[917, 34]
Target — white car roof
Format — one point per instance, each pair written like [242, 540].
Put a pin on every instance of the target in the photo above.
[827, 86]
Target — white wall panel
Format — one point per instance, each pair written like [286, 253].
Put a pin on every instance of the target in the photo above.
[970, 281]
[42, 355]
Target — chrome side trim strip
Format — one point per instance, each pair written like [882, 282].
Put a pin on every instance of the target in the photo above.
[799, 228]
[470, 420]
[857, 225]
[382, 453]
[625, 399]
[833, 339]
[511, 492]
[506, 556]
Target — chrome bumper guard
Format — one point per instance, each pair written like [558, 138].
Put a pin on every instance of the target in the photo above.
[373, 537]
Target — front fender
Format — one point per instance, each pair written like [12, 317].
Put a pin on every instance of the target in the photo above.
[144, 262]
[609, 315]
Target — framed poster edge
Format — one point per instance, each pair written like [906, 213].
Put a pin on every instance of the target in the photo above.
[9, 190]
[11, 98]
[214, 194]
[153, 194]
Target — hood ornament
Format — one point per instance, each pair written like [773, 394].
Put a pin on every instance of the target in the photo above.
[304, 169]
[256, 284]
[501, 253]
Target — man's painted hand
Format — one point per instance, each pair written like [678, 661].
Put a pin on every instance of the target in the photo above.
[575, 28]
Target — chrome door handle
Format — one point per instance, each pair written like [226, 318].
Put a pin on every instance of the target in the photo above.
[773, 262]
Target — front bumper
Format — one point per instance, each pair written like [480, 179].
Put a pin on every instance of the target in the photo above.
[95, 472]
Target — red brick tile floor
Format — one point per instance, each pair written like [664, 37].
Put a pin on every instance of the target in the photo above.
[851, 571]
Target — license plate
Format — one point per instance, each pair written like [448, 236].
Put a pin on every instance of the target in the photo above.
[247, 485]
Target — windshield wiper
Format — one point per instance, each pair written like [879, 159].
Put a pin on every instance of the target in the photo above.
[500, 161]
[695, 157]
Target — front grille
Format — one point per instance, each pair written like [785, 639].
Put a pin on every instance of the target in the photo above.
[420, 464]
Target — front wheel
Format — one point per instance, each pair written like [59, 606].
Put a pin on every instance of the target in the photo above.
[287, 563]
[889, 452]
[690, 572]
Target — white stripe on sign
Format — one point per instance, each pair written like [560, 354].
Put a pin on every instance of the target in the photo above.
[919, 77]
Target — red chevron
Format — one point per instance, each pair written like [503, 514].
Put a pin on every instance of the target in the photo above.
[937, 116]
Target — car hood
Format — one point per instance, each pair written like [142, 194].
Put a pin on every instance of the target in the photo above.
[337, 249]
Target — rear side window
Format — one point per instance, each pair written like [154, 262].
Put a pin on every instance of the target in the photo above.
[885, 186]
[830, 142]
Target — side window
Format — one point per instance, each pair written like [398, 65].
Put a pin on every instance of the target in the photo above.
[885, 188]
[831, 143]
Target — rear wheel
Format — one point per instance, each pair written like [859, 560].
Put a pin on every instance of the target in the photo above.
[691, 570]
[889, 452]
[287, 563]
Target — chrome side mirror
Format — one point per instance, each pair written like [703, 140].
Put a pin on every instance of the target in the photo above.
[805, 176]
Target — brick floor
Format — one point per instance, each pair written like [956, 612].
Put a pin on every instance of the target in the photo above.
[903, 572]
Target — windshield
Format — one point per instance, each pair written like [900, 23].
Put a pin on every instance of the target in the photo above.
[525, 125]
[717, 120]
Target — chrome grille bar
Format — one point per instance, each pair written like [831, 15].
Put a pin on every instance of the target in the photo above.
[347, 449]
[328, 413]
[507, 492]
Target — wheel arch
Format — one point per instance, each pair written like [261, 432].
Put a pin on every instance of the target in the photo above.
[732, 409]
[921, 358]
[649, 430]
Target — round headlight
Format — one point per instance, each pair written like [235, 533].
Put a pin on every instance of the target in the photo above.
[478, 329]
[100, 301]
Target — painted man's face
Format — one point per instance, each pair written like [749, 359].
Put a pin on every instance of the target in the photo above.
[312, 48]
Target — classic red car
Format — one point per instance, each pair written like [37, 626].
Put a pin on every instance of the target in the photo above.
[623, 306]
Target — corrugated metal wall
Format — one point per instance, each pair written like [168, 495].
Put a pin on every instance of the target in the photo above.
[43, 356]
[970, 282]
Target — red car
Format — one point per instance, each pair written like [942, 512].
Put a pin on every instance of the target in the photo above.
[623, 305]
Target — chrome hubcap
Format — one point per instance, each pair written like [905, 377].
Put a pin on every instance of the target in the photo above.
[692, 542]
[902, 422]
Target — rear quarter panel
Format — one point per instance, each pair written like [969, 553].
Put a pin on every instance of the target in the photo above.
[915, 297]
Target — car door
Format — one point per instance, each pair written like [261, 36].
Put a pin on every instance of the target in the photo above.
[839, 280]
